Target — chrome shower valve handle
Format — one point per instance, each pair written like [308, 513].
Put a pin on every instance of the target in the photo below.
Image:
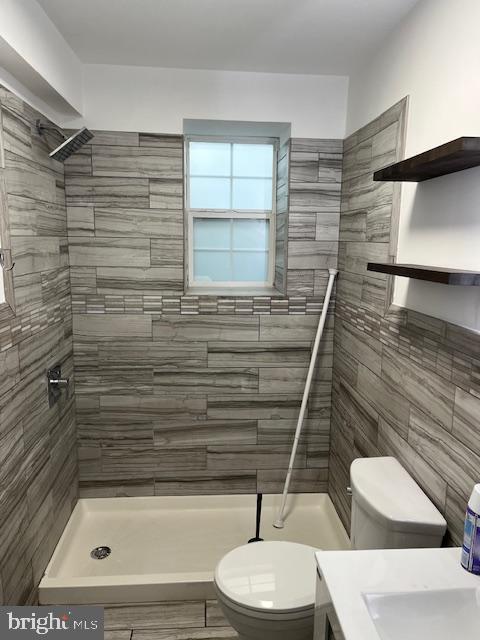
[4, 253]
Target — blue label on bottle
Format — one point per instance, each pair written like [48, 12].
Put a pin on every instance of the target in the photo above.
[471, 543]
[475, 553]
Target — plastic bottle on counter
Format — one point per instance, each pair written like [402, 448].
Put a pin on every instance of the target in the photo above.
[471, 539]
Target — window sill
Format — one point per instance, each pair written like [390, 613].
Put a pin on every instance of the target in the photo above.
[229, 292]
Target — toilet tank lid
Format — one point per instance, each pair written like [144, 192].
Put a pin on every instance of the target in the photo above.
[389, 494]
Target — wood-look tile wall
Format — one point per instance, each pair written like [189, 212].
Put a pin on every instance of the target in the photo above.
[182, 394]
[404, 384]
[38, 460]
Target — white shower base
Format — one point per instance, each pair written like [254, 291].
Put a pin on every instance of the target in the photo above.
[166, 548]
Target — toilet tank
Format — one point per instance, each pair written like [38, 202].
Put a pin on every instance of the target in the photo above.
[389, 510]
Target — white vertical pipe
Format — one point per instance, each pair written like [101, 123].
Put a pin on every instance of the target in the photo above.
[279, 522]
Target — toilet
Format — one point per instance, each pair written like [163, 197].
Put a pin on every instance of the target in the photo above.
[267, 589]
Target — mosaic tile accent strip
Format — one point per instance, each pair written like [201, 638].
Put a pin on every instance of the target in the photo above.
[194, 305]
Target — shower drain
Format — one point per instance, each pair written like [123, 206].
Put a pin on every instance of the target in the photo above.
[100, 553]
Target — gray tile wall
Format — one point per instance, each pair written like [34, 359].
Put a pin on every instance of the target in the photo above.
[404, 384]
[183, 394]
[38, 460]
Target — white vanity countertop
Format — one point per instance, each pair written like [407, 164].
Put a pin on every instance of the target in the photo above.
[349, 574]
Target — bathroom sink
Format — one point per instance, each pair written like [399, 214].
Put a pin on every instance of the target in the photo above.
[399, 594]
[441, 614]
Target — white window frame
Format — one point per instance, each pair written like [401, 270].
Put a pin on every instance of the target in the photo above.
[242, 214]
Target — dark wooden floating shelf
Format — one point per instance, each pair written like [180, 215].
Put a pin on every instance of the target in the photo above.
[457, 155]
[431, 274]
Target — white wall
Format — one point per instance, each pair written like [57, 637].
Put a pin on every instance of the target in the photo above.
[157, 100]
[35, 54]
[434, 56]
[40, 66]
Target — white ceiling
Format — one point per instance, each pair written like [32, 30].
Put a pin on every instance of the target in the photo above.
[280, 36]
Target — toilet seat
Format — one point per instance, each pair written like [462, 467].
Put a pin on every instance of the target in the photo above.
[269, 579]
[267, 615]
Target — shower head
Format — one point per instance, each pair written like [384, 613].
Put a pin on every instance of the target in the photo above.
[69, 145]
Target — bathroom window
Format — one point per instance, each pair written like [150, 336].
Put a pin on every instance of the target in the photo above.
[5, 254]
[7, 306]
[2, 287]
[230, 205]
[6, 272]
[2, 284]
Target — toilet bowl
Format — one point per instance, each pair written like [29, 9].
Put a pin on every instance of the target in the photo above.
[267, 590]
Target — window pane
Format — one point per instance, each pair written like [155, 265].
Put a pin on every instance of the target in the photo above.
[210, 158]
[253, 160]
[209, 193]
[227, 176]
[250, 234]
[212, 266]
[209, 233]
[250, 266]
[252, 194]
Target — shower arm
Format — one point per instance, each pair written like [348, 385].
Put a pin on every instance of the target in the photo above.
[41, 128]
